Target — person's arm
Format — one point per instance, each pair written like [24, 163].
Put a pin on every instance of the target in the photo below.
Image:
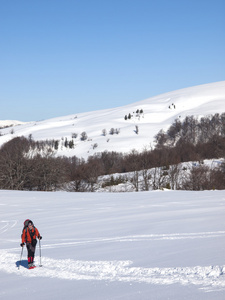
[23, 239]
[38, 234]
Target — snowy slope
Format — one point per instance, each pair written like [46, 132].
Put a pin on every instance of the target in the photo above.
[158, 113]
[150, 245]
[6, 123]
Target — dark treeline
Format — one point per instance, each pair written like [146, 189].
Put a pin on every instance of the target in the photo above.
[29, 165]
[193, 130]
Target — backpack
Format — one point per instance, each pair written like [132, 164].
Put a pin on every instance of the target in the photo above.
[26, 222]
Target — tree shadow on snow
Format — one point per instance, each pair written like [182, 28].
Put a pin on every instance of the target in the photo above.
[23, 263]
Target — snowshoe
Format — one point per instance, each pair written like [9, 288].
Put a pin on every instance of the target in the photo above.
[31, 266]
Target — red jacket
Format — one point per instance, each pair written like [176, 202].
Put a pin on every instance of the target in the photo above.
[26, 235]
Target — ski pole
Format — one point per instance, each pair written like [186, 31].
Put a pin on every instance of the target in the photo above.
[40, 252]
[20, 258]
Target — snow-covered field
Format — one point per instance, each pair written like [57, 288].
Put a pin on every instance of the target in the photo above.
[130, 246]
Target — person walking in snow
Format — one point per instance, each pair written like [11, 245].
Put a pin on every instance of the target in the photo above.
[29, 237]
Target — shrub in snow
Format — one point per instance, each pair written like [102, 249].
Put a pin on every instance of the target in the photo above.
[71, 144]
[74, 135]
[112, 131]
[83, 136]
[104, 132]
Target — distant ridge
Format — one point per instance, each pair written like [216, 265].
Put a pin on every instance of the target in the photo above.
[6, 123]
[124, 128]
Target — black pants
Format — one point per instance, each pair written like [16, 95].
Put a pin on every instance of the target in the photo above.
[31, 248]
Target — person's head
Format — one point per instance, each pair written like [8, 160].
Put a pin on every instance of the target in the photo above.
[30, 225]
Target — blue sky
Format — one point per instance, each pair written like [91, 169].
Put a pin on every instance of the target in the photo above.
[61, 57]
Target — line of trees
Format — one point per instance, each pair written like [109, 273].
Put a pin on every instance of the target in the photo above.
[26, 164]
[193, 130]
[29, 165]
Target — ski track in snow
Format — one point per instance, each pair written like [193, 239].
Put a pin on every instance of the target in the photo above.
[139, 238]
[6, 225]
[129, 238]
[209, 278]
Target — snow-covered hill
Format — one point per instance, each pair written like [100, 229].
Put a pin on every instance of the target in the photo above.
[147, 118]
[7, 123]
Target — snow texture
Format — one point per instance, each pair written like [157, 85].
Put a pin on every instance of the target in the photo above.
[149, 245]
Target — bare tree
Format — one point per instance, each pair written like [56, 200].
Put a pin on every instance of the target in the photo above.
[13, 166]
[198, 179]
[158, 178]
[173, 174]
[135, 180]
